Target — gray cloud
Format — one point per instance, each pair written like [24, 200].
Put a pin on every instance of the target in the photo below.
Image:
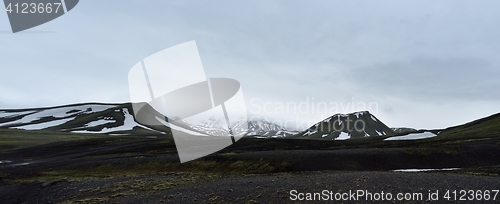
[410, 57]
[426, 79]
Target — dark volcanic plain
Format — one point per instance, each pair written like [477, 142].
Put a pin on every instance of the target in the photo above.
[147, 170]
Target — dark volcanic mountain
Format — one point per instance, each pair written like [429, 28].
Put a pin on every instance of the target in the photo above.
[78, 118]
[346, 126]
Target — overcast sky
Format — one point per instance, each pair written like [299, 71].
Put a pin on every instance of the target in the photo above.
[425, 64]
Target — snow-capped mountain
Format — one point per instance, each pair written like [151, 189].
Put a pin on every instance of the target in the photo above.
[346, 126]
[254, 128]
[264, 128]
[78, 118]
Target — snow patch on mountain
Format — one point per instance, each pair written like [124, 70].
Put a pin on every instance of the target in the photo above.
[309, 132]
[343, 136]
[413, 136]
[100, 122]
[40, 126]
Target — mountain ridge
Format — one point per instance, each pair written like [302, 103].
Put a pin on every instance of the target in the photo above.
[80, 118]
[119, 119]
[113, 119]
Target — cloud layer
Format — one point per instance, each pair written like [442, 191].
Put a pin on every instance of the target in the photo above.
[427, 64]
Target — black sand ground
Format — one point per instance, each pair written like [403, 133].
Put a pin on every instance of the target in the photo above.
[268, 188]
[132, 170]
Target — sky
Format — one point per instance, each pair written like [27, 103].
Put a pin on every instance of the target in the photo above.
[420, 64]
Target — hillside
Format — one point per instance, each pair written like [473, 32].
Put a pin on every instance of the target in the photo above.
[484, 127]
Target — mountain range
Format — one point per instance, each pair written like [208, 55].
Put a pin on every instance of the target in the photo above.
[119, 119]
